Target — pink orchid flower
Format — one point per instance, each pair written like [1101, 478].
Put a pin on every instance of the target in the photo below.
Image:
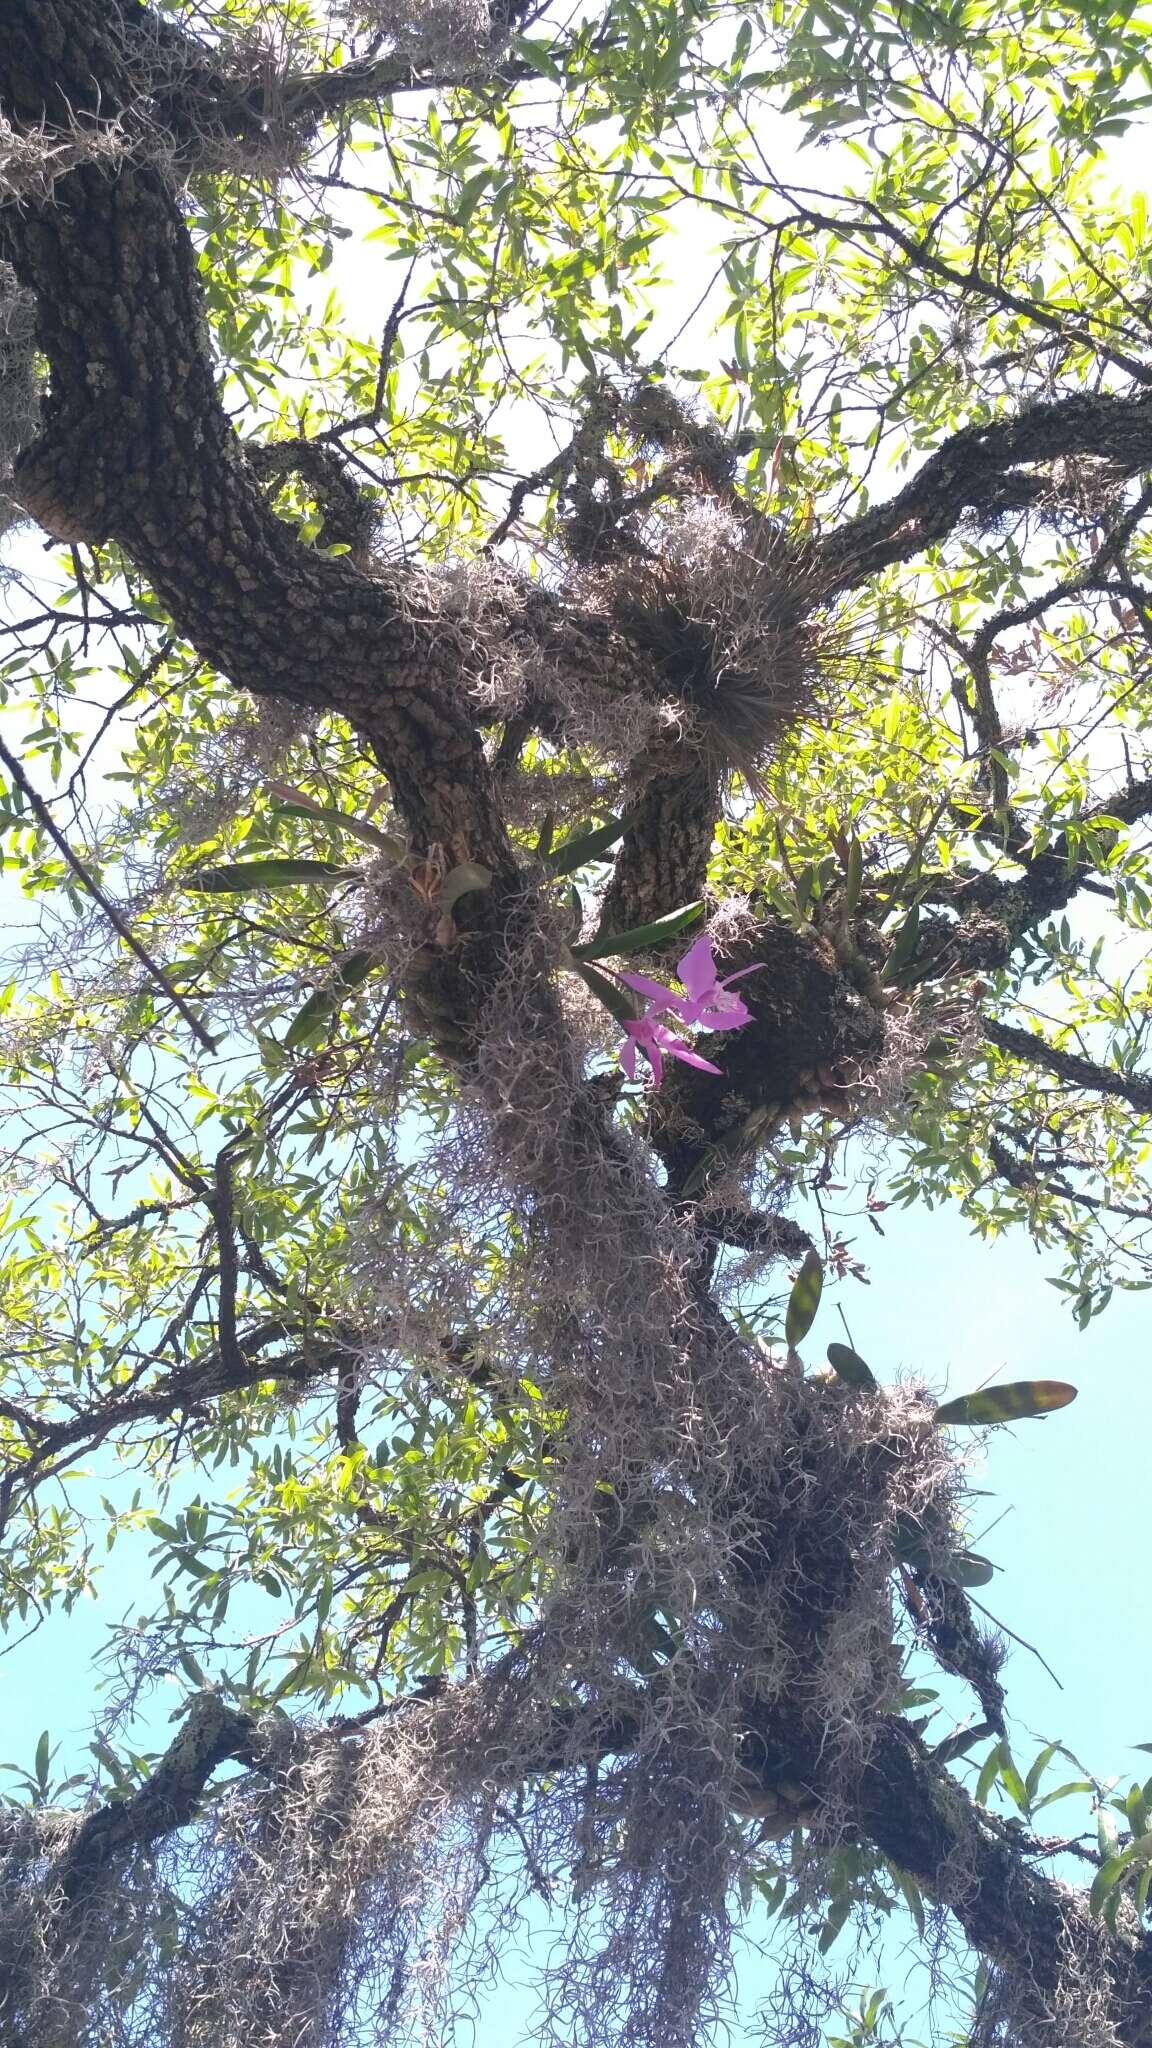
[645, 1034]
[709, 1001]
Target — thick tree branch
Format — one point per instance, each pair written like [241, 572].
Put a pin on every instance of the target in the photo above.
[135, 446]
[212, 1734]
[986, 471]
[903, 1803]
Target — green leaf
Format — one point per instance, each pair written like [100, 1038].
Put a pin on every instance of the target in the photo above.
[966, 1568]
[1012, 1782]
[903, 946]
[853, 877]
[1107, 1833]
[1008, 1403]
[641, 936]
[619, 1002]
[236, 878]
[804, 1300]
[462, 880]
[1063, 1792]
[43, 1761]
[310, 1022]
[343, 821]
[838, 1913]
[1038, 1767]
[989, 1772]
[580, 847]
[910, 1893]
[358, 966]
[325, 1004]
[1108, 1876]
[850, 1366]
[1136, 1808]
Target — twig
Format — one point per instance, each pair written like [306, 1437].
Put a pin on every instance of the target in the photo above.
[41, 811]
[1022, 1640]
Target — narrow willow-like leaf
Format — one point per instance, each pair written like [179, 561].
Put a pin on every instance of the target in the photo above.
[1009, 1403]
[804, 1300]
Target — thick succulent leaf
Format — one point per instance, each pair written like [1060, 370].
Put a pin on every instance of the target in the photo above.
[1112, 1870]
[461, 881]
[619, 1002]
[850, 1366]
[1009, 1403]
[804, 1300]
[343, 821]
[967, 1568]
[903, 946]
[238, 878]
[641, 935]
[579, 847]
[323, 1006]
[853, 877]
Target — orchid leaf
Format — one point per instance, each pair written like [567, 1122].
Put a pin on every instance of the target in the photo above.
[804, 1300]
[1113, 1868]
[853, 877]
[462, 880]
[641, 936]
[1009, 1403]
[850, 1366]
[903, 946]
[583, 846]
[619, 1002]
[343, 821]
[967, 1568]
[324, 1005]
[237, 878]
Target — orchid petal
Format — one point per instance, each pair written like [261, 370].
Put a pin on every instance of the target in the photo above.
[692, 1059]
[676, 1047]
[666, 997]
[732, 1017]
[697, 969]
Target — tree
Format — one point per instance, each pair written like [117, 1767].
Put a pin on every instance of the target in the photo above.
[365, 764]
